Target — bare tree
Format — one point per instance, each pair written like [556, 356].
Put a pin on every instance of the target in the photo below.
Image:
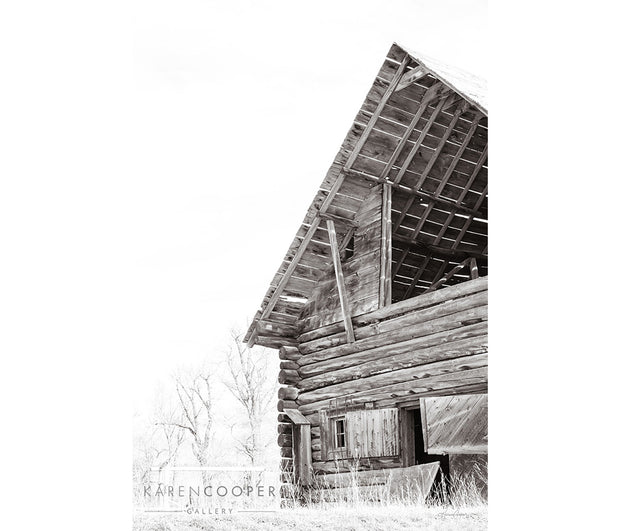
[145, 453]
[252, 386]
[193, 391]
[170, 436]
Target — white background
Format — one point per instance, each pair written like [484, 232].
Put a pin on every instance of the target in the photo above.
[159, 158]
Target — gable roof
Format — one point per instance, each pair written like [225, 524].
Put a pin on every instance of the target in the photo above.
[423, 129]
[469, 86]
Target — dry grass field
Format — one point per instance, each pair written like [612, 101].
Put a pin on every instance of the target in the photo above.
[384, 517]
[465, 509]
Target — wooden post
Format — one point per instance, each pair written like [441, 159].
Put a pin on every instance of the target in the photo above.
[385, 282]
[473, 267]
[302, 453]
[302, 447]
[344, 303]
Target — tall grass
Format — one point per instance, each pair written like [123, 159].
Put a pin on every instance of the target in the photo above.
[459, 491]
[455, 504]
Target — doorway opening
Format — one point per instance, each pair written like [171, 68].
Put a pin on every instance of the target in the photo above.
[412, 438]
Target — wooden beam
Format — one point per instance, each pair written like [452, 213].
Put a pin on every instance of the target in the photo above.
[345, 240]
[417, 277]
[344, 303]
[252, 330]
[296, 417]
[430, 93]
[452, 205]
[473, 266]
[291, 267]
[467, 187]
[448, 275]
[338, 219]
[453, 163]
[429, 165]
[480, 199]
[435, 249]
[375, 116]
[273, 300]
[411, 77]
[385, 281]
[419, 141]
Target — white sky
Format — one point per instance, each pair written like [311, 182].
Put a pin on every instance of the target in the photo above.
[242, 107]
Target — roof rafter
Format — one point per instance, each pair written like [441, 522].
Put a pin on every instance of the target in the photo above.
[411, 77]
[273, 300]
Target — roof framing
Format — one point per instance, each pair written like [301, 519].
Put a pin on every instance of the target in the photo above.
[422, 133]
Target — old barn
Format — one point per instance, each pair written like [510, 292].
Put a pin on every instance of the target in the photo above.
[379, 309]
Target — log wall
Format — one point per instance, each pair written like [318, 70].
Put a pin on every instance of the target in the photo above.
[431, 345]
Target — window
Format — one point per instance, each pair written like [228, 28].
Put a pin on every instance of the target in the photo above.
[340, 441]
[360, 433]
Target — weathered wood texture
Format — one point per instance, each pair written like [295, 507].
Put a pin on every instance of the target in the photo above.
[302, 454]
[360, 273]
[433, 345]
[455, 424]
[342, 294]
[373, 433]
[415, 481]
[332, 333]
[421, 135]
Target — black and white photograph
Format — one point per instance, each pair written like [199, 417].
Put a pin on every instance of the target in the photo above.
[248, 249]
[347, 380]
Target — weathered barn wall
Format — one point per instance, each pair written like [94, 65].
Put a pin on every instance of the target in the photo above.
[361, 272]
[434, 344]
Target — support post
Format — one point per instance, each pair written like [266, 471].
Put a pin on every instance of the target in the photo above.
[302, 453]
[385, 281]
[344, 303]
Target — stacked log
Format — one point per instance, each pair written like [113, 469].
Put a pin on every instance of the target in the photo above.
[429, 345]
[432, 344]
[287, 399]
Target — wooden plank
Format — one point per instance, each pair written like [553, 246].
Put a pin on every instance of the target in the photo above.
[344, 303]
[373, 120]
[296, 417]
[449, 275]
[424, 423]
[385, 280]
[355, 435]
[403, 140]
[416, 480]
[448, 172]
[327, 448]
[443, 252]
[456, 424]
[425, 173]
[419, 141]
